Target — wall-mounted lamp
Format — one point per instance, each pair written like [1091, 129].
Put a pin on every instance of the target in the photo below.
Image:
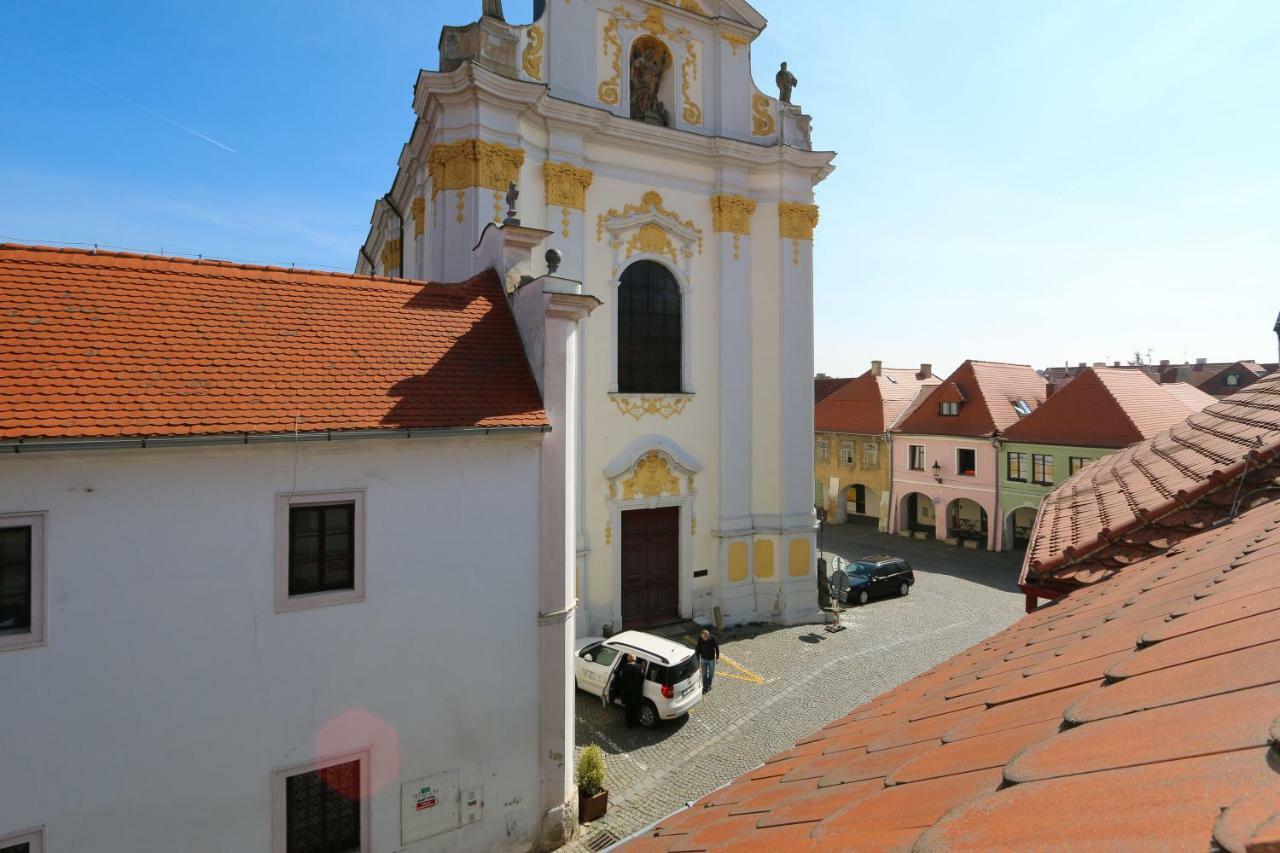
[937, 472]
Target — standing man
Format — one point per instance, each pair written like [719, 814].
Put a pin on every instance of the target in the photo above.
[708, 654]
[631, 685]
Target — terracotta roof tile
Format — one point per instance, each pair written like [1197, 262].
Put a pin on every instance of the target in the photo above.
[870, 404]
[988, 391]
[823, 386]
[100, 345]
[1148, 706]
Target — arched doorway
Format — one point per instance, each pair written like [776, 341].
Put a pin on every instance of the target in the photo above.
[1018, 525]
[967, 521]
[916, 515]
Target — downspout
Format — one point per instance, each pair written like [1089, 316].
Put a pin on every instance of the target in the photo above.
[997, 538]
[373, 268]
[400, 216]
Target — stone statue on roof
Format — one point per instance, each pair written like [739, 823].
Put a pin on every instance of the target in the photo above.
[493, 9]
[786, 82]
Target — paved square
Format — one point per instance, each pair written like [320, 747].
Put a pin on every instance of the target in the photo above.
[777, 685]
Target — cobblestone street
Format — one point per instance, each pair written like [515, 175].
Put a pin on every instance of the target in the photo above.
[777, 685]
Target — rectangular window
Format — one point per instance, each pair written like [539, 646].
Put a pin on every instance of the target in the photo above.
[319, 549]
[1017, 467]
[28, 841]
[1042, 469]
[322, 807]
[917, 457]
[846, 453]
[966, 462]
[824, 450]
[870, 454]
[1077, 463]
[949, 410]
[21, 581]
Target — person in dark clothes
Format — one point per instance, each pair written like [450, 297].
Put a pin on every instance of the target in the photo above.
[631, 686]
[708, 653]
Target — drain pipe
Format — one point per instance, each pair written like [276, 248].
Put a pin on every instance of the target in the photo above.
[373, 268]
[400, 216]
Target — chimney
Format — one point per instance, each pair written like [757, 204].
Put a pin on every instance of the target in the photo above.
[1081, 366]
[926, 370]
[1049, 388]
[1200, 363]
[876, 367]
[1099, 364]
[1164, 364]
[1115, 364]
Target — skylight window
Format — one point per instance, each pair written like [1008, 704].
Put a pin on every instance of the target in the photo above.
[1022, 407]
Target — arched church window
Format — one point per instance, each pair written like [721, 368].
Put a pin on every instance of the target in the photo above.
[649, 329]
[650, 62]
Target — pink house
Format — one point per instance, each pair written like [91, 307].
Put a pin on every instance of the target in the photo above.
[946, 452]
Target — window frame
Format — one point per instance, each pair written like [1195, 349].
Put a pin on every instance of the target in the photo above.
[822, 450]
[874, 449]
[1022, 466]
[911, 457]
[36, 633]
[849, 446]
[960, 471]
[280, 799]
[949, 409]
[284, 602]
[1232, 380]
[1073, 468]
[1044, 467]
[33, 837]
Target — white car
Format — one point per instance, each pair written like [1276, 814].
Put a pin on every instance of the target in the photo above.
[673, 677]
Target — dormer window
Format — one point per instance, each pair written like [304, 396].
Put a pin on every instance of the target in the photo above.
[1233, 379]
[948, 410]
[1022, 407]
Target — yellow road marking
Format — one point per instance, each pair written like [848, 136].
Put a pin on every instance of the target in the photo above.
[742, 674]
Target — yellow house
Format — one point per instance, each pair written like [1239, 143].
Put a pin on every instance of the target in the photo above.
[852, 462]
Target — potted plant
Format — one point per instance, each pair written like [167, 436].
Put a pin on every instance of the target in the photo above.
[593, 799]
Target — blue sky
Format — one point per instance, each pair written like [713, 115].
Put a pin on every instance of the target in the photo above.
[1019, 181]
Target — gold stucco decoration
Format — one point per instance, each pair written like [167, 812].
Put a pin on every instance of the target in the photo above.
[652, 240]
[531, 58]
[687, 5]
[566, 184]
[652, 478]
[732, 213]
[735, 41]
[761, 116]
[608, 534]
[689, 73]
[607, 92]
[650, 202]
[797, 220]
[462, 205]
[473, 163]
[391, 256]
[638, 407]
[418, 207]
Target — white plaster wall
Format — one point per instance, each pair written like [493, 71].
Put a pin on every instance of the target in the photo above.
[170, 690]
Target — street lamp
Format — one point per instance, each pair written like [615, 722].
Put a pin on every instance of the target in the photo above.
[937, 472]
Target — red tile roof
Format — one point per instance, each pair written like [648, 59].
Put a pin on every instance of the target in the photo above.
[1145, 498]
[114, 345]
[1108, 407]
[870, 403]
[1140, 713]
[824, 386]
[987, 391]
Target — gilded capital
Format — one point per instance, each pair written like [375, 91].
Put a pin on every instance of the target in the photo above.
[732, 213]
[473, 163]
[796, 220]
[566, 185]
[391, 256]
[418, 207]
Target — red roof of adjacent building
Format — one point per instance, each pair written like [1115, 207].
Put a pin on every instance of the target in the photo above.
[1143, 499]
[824, 386]
[987, 392]
[870, 403]
[1140, 713]
[1108, 407]
[96, 344]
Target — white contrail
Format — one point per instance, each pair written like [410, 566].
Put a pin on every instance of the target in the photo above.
[121, 97]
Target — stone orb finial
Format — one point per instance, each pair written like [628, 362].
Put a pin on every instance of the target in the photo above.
[553, 260]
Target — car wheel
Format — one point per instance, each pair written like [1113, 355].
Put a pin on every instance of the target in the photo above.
[904, 589]
[648, 715]
[863, 597]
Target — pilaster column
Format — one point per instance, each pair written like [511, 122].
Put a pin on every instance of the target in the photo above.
[469, 181]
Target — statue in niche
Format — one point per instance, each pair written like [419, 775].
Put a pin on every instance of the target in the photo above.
[648, 64]
[493, 9]
[786, 82]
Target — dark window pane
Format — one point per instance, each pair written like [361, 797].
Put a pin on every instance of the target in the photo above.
[321, 548]
[322, 810]
[649, 330]
[24, 847]
[15, 579]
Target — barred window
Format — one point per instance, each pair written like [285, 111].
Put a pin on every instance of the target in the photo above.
[322, 810]
[649, 330]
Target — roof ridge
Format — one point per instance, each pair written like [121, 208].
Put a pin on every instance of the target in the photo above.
[219, 263]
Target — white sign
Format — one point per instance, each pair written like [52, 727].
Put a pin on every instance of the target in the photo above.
[428, 806]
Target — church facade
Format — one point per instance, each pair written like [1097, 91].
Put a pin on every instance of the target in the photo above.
[682, 197]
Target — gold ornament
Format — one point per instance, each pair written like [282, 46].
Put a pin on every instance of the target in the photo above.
[650, 202]
[607, 93]
[689, 72]
[732, 213]
[761, 116]
[735, 41]
[391, 256]
[531, 59]
[473, 163]
[652, 478]
[418, 207]
[566, 185]
[796, 220]
[638, 407]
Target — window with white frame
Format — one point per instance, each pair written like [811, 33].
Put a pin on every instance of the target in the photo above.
[846, 453]
[916, 453]
[22, 580]
[870, 454]
[322, 806]
[319, 549]
[949, 410]
[27, 841]
[822, 450]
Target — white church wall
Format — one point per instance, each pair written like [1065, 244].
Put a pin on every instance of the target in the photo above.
[170, 689]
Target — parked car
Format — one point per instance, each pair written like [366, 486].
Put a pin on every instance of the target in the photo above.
[872, 577]
[673, 679]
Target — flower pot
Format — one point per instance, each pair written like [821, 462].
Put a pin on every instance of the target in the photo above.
[592, 808]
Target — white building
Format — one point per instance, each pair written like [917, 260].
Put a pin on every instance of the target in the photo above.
[693, 224]
[249, 587]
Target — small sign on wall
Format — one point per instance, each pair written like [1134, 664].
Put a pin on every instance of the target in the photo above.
[428, 806]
